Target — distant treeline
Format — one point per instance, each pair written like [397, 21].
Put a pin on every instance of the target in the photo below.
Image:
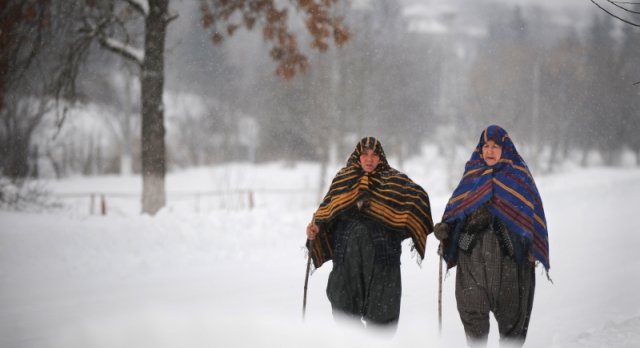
[564, 88]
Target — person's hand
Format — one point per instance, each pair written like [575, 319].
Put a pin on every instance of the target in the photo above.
[441, 230]
[312, 231]
[478, 220]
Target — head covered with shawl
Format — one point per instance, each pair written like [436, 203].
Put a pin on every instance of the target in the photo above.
[392, 199]
[509, 190]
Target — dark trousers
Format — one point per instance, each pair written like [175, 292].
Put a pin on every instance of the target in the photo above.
[488, 281]
[360, 288]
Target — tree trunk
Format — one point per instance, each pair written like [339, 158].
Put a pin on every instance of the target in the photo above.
[126, 162]
[16, 157]
[34, 171]
[153, 131]
[323, 173]
[585, 157]
[554, 155]
[88, 165]
[57, 167]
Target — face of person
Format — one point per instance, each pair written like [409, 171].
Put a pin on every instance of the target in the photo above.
[491, 152]
[369, 160]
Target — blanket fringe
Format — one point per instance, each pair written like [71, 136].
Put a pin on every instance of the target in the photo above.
[312, 268]
[415, 254]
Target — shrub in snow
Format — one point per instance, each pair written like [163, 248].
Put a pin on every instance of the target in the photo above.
[26, 196]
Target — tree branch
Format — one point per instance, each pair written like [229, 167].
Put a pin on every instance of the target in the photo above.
[171, 17]
[96, 31]
[622, 7]
[122, 49]
[142, 6]
[614, 16]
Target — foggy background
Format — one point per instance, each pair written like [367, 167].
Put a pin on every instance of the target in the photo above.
[558, 75]
[249, 155]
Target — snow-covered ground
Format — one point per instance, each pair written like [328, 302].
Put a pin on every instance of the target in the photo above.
[206, 274]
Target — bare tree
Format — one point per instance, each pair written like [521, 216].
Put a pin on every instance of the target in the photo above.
[26, 29]
[19, 20]
[618, 9]
[113, 26]
[562, 104]
[19, 118]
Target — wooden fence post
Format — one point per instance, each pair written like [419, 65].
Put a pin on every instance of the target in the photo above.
[92, 204]
[103, 205]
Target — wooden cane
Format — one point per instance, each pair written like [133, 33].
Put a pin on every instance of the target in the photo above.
[306, 276]
[306, 282]
[440, 293]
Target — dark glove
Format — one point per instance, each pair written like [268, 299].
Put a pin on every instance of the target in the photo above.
[441, 230]
[478, 220]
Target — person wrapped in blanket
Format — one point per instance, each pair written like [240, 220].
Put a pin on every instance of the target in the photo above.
[494, 230]
[369, 210]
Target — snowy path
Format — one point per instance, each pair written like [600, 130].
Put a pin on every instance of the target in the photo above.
[236, 278]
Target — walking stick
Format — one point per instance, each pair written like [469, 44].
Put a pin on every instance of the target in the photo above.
[306, 282]
[306, 276]
[440, 293]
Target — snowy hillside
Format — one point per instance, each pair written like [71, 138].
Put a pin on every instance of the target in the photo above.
[233, 277]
